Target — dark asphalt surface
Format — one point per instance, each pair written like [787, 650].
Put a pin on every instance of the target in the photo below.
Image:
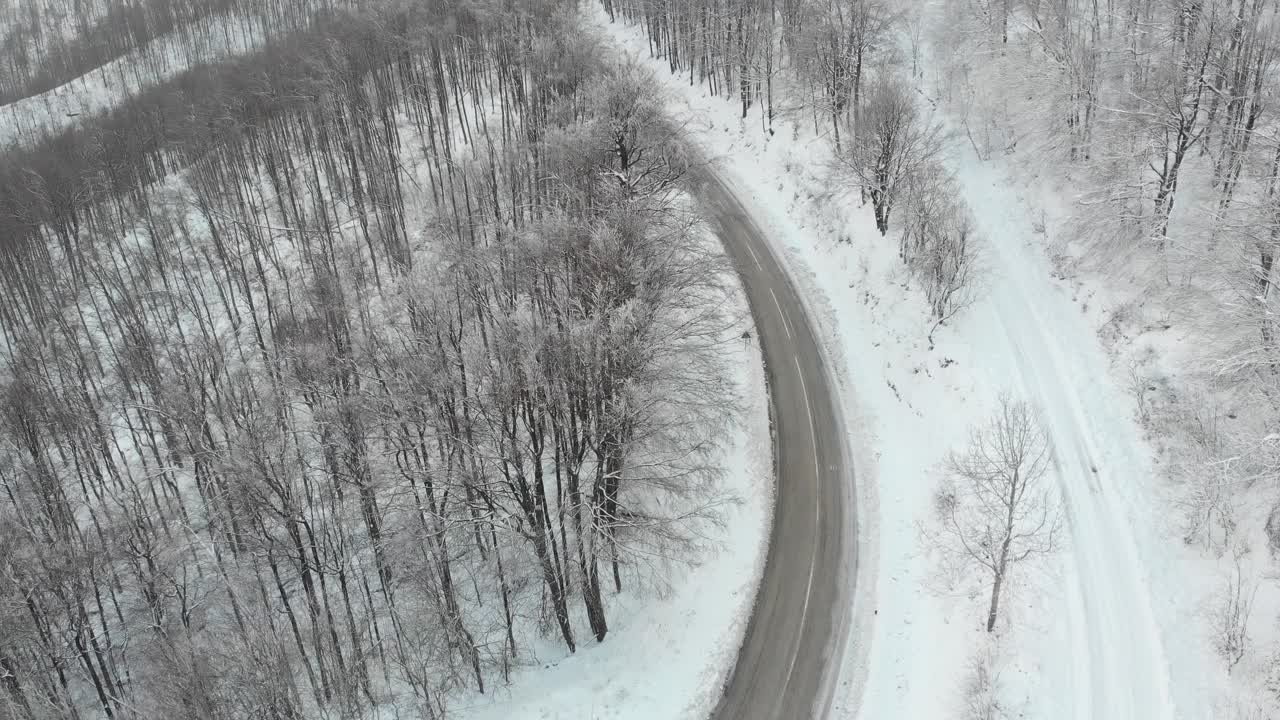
[798, 621]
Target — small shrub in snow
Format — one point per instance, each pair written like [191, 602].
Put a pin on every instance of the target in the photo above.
[982, 688]
[1234, 606]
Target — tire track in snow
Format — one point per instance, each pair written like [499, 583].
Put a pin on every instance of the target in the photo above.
[1093, 666]
[1117, 668]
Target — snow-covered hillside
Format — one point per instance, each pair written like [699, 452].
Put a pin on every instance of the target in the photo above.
[49, 112]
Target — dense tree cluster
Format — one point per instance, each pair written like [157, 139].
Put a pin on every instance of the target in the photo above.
[1163, 109]
[738, 47]
[1136, 94]
[836, 63]
[334, 374]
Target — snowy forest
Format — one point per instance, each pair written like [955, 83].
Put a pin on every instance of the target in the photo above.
[350, 351]
[334, 372]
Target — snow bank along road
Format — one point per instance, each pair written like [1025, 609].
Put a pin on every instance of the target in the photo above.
[792, 644]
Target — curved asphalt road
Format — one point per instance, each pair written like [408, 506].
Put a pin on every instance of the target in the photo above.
[793, 638]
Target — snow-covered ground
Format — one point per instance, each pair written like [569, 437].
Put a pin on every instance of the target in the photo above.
[1096, 630]
[668, 654]
[104, 87]
[1116, 664]
[1155, 347]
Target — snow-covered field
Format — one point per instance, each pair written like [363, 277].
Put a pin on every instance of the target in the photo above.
[1097, 630]
[668, 653]
[57, 20]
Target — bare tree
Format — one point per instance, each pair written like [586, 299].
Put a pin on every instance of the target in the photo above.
[893, 145]
[646, 146]
[996, 509]
[835, 50]
[939, 244]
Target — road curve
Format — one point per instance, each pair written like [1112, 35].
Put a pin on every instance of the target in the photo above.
[796, 628]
